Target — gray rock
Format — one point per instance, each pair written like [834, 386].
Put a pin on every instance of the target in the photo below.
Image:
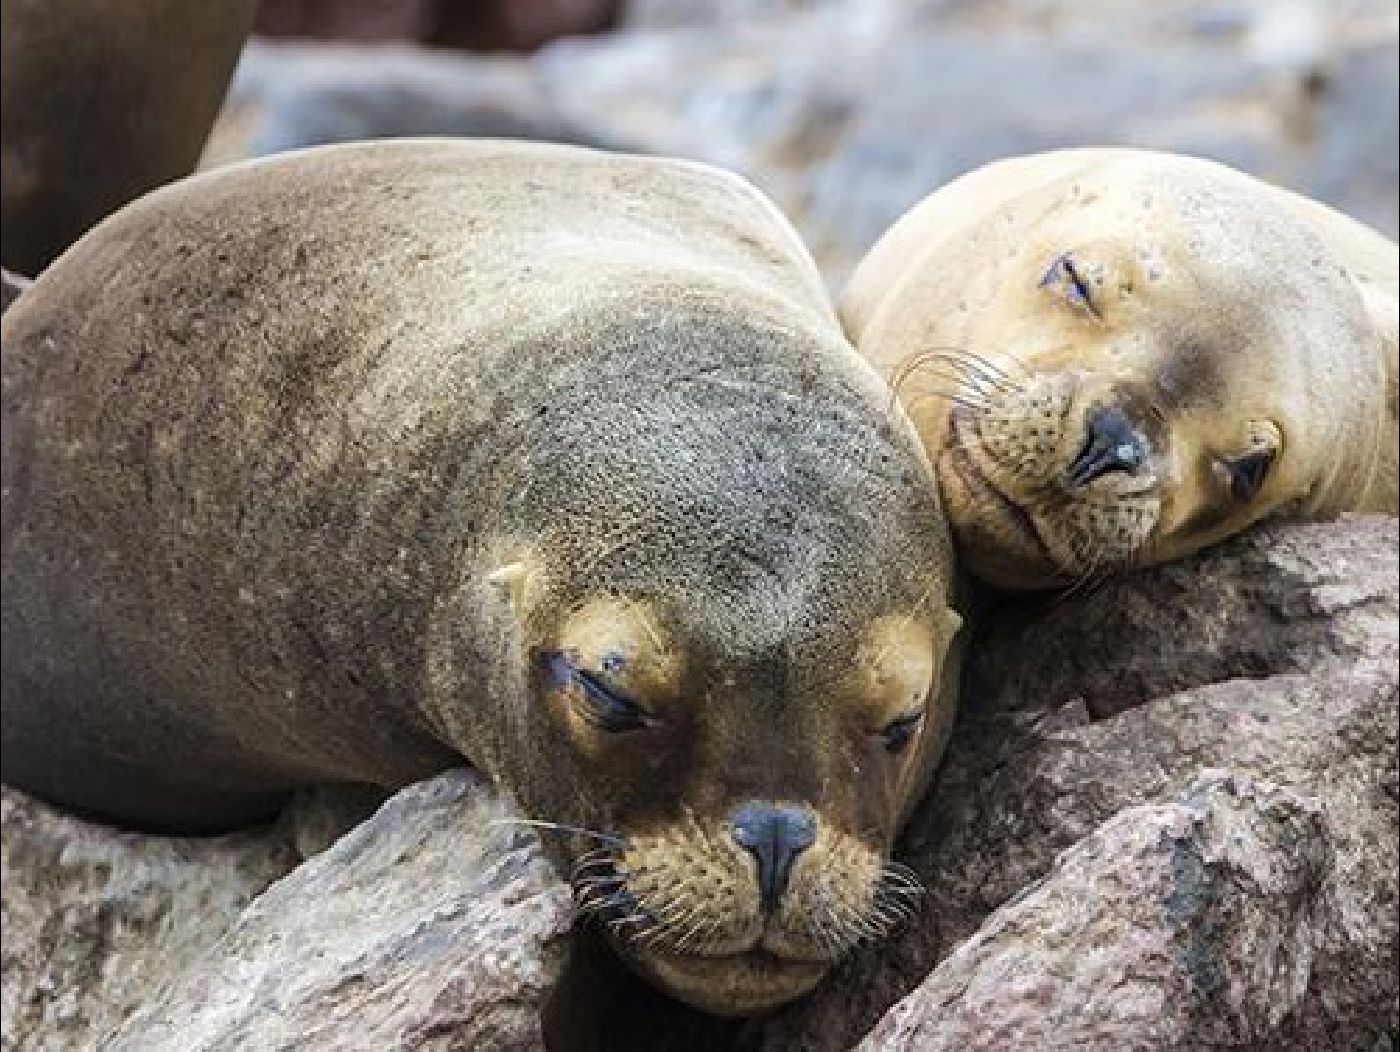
[1295, 629]
[289, 95]
[14, 284]
[1184, 925]
[96, 920]
[1288, 598]
[849, 111]
[429, 926]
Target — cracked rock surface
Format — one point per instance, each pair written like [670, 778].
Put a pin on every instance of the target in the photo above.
[426, 927]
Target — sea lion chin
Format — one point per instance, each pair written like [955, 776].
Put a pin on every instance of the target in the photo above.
[735, 984]
[1117, 357]
[348, 464]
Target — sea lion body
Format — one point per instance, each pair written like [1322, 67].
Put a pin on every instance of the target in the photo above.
[101, 101]
[348, 464]
[1117, 357]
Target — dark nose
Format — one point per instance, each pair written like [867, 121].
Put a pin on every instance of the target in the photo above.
[1110, 444]
[775, 835]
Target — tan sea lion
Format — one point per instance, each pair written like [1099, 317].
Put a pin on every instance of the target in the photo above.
[346, 464]
[1117, 357]
[100, 101]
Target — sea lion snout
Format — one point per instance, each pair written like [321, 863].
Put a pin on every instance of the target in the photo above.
[1234, 326]
[774, 834]
[1111, 443]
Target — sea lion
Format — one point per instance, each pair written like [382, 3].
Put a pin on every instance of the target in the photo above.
[350, 463]
[1117, 357]
[100, 101]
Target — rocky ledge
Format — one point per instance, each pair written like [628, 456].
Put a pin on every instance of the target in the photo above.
[1168, 820]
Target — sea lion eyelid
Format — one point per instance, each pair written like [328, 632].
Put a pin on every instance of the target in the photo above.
[1063, 275]
[608, 709]
[1247, 473]
[900, 731]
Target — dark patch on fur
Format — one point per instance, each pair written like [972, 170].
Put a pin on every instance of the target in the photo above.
[1191, 377]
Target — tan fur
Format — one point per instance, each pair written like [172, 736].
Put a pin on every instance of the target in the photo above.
[1226, 317]
[102, 100]
[348, 464]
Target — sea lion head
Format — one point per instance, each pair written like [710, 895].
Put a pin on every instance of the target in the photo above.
[1132, 362]
[728, 636]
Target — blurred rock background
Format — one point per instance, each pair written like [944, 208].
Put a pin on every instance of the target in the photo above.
[846, 111]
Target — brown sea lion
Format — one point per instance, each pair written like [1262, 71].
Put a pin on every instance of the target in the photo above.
[1117, 357]
[350, 463]
[100, 101]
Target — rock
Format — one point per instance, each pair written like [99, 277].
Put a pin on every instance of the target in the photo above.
[1295, 626]
[1286, 598]
[428, 926]
[849, 111]
[1174, 799]
[14, 284]
[287, 95]
[95, 920]
[1182, 925]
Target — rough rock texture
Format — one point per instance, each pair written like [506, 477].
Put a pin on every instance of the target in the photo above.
[1291, 598]
[1210, 864]
[1184, 925]
[849, 111]
[428, 926]
[14, 284]
[95, 920]
[1031, 773]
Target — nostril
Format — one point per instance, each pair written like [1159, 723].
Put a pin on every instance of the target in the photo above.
[775, 834]
[1110, 444]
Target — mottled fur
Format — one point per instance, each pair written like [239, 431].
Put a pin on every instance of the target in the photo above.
[272, 434]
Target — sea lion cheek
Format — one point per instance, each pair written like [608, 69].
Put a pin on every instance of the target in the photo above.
[1213, 488]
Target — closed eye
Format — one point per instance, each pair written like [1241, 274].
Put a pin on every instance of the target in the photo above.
[1064, 276]
[898, 733]
[1247, 473]
[606, 708]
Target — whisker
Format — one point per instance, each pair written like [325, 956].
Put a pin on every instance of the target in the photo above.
[949, 396]
[968, 362]
[978, 365]
[559, 827]
[959, 371]
[958, 381]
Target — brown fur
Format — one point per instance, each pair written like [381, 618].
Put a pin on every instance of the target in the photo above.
[1225, 319]
[314, 465]
[102, 100]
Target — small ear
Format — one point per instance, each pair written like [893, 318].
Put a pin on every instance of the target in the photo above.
[512, 582]
[952, 622]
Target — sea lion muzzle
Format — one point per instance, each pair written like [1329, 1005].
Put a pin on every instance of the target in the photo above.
[775, 835]
[1110, 444]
